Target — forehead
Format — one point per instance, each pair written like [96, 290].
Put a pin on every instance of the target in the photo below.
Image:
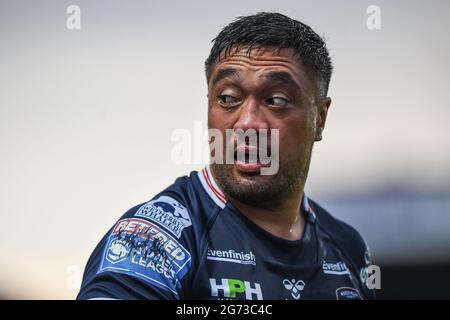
[262, 60]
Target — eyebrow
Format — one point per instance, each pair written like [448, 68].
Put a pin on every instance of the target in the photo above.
[283, 77]
[276, 76]
[226, 73]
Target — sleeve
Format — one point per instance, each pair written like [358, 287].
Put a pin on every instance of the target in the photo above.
[367, 273]
[370, 275]
[355, 249]
[145, 255]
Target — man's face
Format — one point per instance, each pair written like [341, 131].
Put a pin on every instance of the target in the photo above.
[268, 90]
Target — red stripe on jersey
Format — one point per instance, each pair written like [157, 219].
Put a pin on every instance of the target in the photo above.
[214, 190]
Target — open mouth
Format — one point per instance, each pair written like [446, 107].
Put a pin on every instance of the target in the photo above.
[247, 159]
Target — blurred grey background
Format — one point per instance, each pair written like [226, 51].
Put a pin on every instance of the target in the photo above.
[86, 118]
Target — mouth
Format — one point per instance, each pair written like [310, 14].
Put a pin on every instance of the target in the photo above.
[246, 167]
[247, 159]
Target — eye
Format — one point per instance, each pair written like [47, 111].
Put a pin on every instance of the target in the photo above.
[277, 102]
[228, 101]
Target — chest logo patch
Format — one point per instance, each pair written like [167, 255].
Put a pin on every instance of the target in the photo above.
[347, 293]
[295, 287]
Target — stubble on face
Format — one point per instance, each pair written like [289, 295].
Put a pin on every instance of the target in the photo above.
[265, 191]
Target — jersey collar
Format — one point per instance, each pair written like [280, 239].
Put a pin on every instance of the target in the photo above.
[211, 188]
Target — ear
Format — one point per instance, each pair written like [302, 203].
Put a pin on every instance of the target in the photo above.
[322, 108]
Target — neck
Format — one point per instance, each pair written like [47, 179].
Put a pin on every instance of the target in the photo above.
[283, 220]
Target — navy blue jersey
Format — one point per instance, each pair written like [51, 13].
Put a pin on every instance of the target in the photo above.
[188, 242]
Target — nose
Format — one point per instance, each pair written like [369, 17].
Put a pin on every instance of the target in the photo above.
[251, 116]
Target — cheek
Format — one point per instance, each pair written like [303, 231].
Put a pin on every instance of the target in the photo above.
[220, 120]
[218, 125]
[214, 119]
[295, 136]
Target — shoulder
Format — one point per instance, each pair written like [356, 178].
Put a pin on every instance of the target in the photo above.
[185, 205]
[151, 249]
[344, 235]
[350, 242]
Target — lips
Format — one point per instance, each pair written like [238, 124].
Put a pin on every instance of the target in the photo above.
[248, 165]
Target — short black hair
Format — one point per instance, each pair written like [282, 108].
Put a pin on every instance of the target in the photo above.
[269, 29]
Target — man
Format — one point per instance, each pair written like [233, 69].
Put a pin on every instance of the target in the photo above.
[229, 231]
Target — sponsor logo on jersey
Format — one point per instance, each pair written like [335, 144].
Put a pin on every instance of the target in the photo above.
[232, 256]
[347, 293]
[338, 268]
[140, 248]
[235, 289]
[295, 287]
[167, 212]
